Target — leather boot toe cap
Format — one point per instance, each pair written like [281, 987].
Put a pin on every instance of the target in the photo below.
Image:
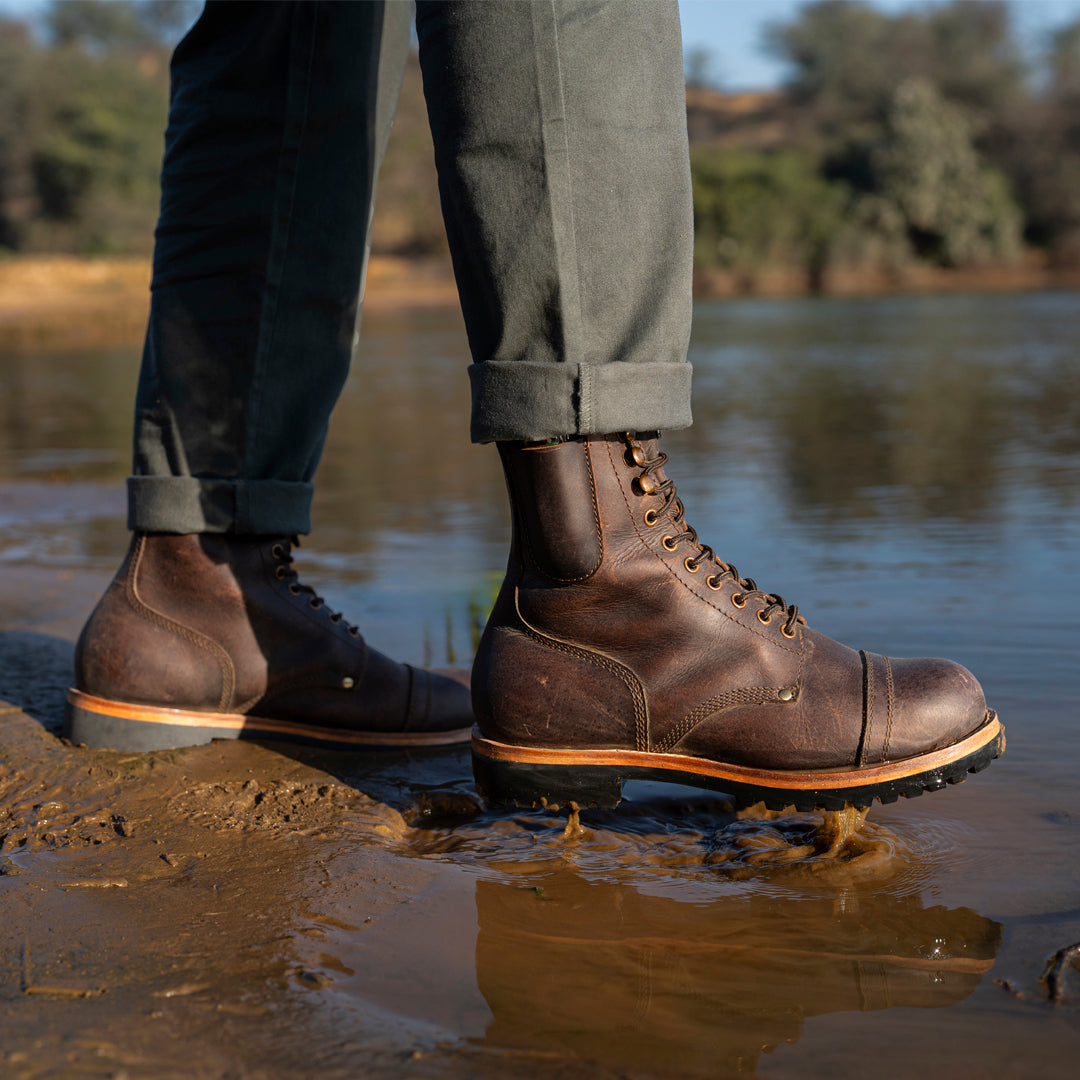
[936, 703]
[450, 700]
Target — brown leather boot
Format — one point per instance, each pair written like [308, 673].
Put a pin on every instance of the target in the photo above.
[621, 647]
[206, 637]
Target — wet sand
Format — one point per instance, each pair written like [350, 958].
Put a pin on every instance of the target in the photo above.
[904, 470]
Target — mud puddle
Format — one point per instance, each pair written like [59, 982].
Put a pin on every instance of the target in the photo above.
[237, 910]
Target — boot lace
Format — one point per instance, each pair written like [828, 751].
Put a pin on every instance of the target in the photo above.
[648, 483]
[285, 571]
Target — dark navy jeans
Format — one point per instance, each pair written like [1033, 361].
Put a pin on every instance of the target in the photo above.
[560, 139]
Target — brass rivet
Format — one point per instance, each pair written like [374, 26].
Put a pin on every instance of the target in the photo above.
[349, 682]
[646, 484]
[786, 693]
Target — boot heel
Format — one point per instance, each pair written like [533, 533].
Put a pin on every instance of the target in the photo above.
[515, 783]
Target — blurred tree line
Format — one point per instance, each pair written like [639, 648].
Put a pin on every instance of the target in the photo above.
[923, 136]
[919, 137]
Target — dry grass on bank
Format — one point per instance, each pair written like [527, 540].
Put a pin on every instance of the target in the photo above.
[64, 301]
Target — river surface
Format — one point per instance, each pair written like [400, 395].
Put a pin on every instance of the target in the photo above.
[906, 470]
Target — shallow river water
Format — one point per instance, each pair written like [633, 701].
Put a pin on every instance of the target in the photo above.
[907, 470]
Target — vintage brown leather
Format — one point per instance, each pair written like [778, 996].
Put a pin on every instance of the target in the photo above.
[205, 636]
[620, 642]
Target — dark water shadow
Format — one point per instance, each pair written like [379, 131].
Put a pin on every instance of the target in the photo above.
[35, 673]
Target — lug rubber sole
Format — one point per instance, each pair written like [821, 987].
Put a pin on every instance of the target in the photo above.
[116, 725]
[528, 776]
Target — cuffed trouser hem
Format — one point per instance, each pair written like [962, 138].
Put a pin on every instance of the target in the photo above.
[186, 504]
[533, 400]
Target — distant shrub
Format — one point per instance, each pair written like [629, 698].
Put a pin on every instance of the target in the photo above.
[754, 209]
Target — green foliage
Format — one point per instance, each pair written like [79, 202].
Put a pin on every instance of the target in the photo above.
[908, 136]
[754, 209]
[848, 59]
[81, 125]
[957, 209]
[117, 25]
[915, 187]
[1038, 145]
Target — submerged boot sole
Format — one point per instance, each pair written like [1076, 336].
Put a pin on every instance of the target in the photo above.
[116, 725]
[527, 776]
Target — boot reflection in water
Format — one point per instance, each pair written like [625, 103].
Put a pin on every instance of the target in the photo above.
[621, 645]
[707, 987]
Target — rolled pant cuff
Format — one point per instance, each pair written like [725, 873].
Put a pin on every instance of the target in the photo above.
[187, 504]
[527, 400]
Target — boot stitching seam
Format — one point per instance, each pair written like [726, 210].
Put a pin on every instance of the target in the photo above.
[623, 673]
[750, 695]
[228, 674]
[890, 704]
[868, 705]
[599, 532]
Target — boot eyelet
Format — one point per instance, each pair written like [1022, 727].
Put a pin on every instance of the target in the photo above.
[352, 631]
[669, 543]
[789, 634]
[714, 583]
[690, 565]
[314, 603]
[763, 618]
[651, 518]
[280, 573]
[738, 600]
[277, 551]
[294, 588]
